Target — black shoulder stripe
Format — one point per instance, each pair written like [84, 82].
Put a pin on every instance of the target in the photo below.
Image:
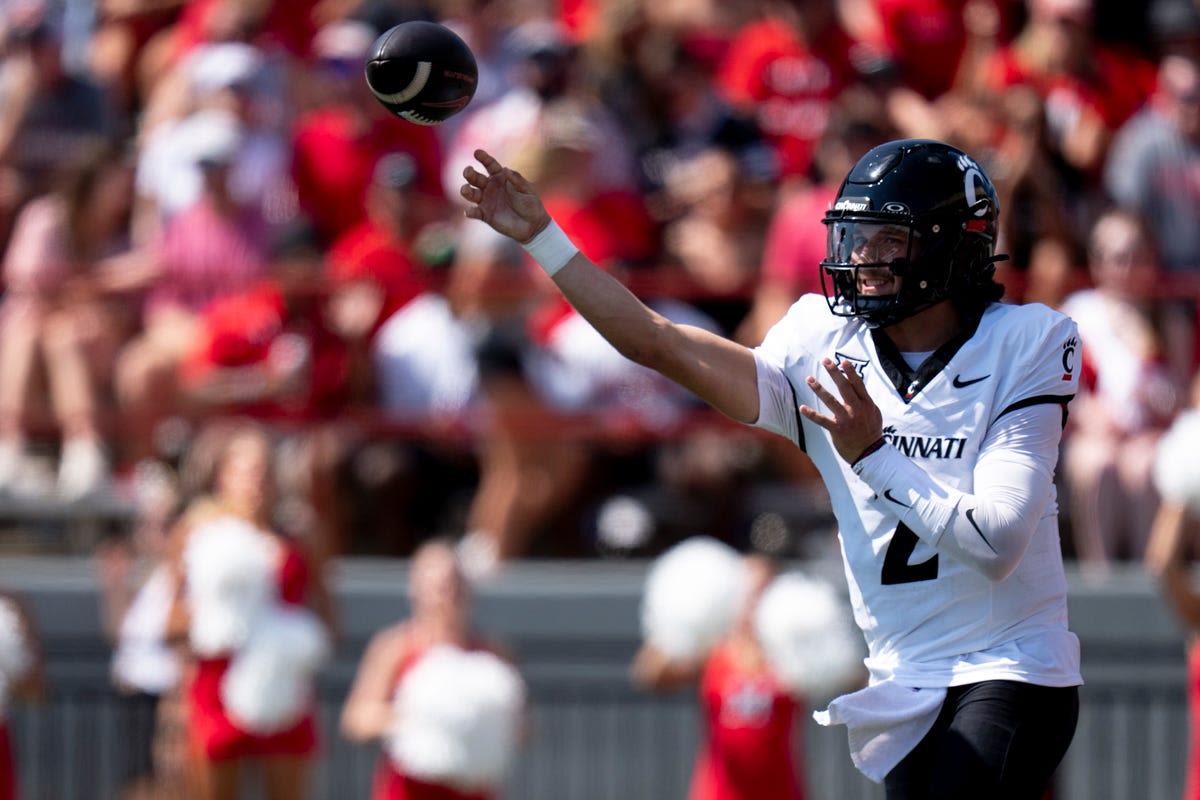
[799, 419]
[1041, 399]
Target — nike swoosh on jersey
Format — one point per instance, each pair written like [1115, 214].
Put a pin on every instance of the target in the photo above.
[959, 383]
[971, 519]
[888, 494]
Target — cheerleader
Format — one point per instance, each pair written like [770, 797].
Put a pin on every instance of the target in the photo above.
[445, 706]
[1171, 554]
[751, 748]
[254, 645]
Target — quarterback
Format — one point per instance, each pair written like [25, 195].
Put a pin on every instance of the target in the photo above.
[933, 413]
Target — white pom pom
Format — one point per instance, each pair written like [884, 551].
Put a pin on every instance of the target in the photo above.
[16, 657]
[1176, 465]
[230, 572]
[808, 635]
[458, 718]
[693, 595]
[269, 683]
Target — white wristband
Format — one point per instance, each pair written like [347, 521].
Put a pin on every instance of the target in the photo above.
[551, 248]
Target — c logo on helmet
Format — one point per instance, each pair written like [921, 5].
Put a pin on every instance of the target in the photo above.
[972, 178]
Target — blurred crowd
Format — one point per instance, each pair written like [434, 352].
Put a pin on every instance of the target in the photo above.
[205, 215]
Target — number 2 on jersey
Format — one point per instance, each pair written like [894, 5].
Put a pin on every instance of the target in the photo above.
[896, 568]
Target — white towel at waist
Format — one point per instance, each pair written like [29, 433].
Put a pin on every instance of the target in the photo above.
[884, 722]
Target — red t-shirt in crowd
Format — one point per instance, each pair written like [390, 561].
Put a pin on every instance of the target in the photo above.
[926, 39]
[368, 252]
[239, 331]
[787, 85]
[332, 164]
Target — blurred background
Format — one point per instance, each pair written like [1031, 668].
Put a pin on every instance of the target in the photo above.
[206, 218]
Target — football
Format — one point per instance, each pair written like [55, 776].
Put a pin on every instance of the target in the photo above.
[422, 72]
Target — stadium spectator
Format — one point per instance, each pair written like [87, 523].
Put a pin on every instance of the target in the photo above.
[1154, 170]
[715, 234]
[270, 350]
[233, 78]
[1127, 394]
[127, 48]
[1089, 88]
[1153, 163]
[382, 255]
[212, 249]
[242, 607]
[752, 742]
[439, 599]
[49, 114]
[1046, 251]
[57, 315]
[664, 93]
[786, 68]
[427, 373]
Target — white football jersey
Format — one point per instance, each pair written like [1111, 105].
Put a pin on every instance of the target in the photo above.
[930, 620]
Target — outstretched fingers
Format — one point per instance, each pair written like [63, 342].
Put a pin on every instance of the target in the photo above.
[840, 373]
[826, 397]
[854, 380]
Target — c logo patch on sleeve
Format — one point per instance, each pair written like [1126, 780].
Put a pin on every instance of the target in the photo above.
[1068, 357]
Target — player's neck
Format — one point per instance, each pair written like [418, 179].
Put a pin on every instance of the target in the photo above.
[927, 330]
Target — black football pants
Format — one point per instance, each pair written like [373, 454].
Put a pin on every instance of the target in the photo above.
[995, 739]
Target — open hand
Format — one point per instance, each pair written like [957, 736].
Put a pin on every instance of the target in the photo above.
[854, 422]
[503, 199]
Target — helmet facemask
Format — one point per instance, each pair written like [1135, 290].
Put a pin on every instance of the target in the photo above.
[932, 261]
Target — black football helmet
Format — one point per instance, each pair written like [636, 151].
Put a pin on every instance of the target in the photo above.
[924, 210]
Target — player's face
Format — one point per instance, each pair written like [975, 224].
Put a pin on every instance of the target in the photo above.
[877, 282]
[878, 244]
[868, 244]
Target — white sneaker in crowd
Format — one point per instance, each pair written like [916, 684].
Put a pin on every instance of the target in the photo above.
[22, 474]
[82, 469]
[12, 458]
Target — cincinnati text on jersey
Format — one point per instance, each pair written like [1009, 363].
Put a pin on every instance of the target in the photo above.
[925, 446]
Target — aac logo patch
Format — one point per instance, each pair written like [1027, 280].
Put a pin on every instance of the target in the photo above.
[860, 364]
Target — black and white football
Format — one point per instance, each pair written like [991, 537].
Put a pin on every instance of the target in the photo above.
[422, 72]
